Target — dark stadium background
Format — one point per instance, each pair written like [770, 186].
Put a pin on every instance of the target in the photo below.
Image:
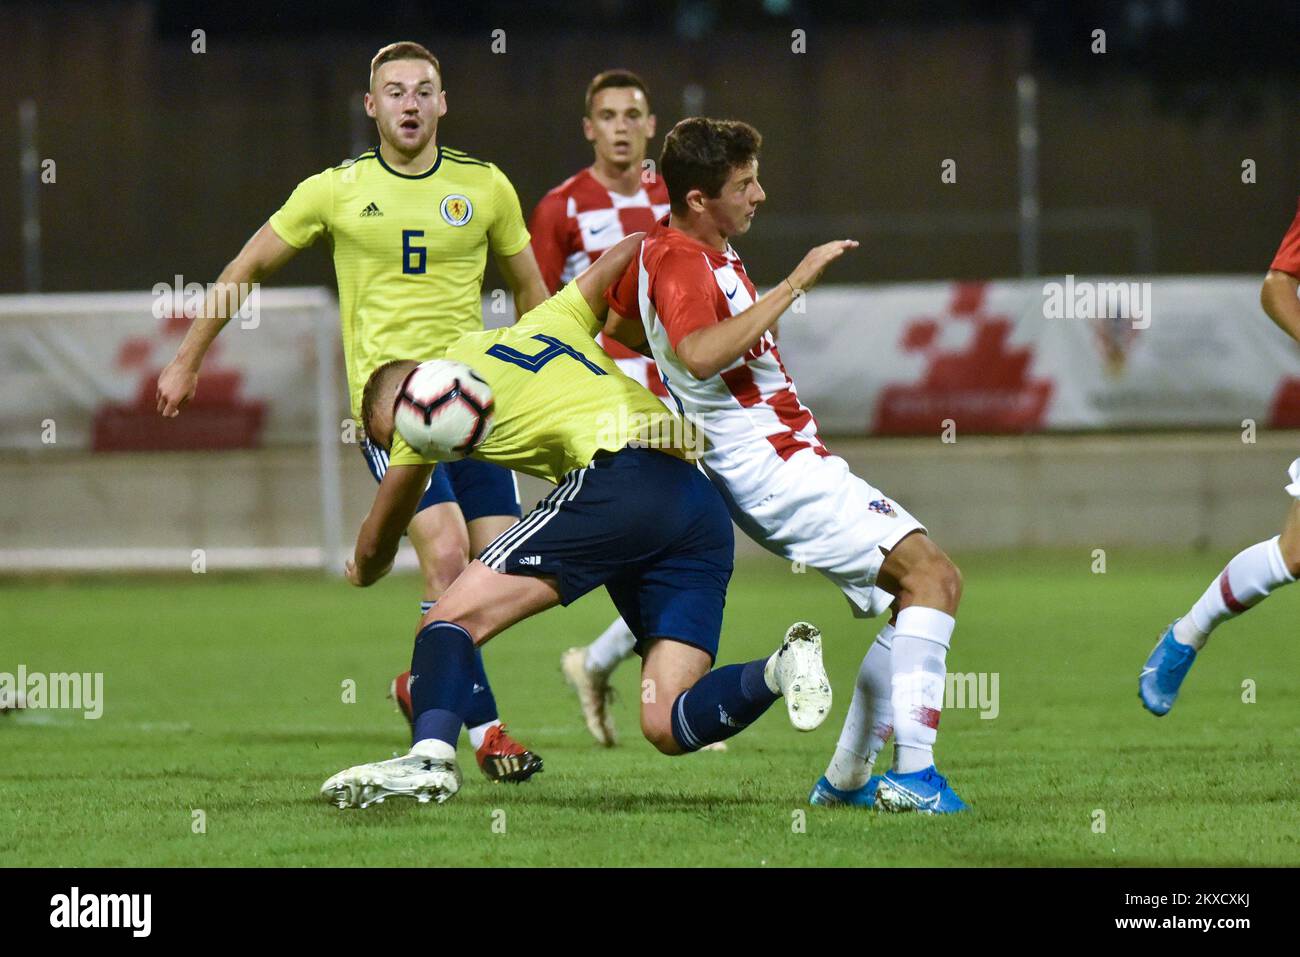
[168, 160]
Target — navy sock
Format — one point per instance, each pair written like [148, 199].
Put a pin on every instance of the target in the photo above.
[442, 675]
[721, 704]
[482, 706]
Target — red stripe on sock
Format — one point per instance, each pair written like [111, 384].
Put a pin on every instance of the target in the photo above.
[927, 716]
[1229, 599]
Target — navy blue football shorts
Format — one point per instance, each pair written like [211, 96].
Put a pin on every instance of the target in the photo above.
[649, 527]
[479, 488]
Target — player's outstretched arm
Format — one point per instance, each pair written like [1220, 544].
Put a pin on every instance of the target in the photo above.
[600, 275]
[1278, 297]
[262, 255]
[394, 506]
[524, 278]
[706, 352]
[628, 332]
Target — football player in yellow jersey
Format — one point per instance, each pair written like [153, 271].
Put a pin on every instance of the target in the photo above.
[630, 511]
[409, 224]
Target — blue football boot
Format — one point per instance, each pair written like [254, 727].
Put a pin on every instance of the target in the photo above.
[825, 794]
[921, 792]
[1164, 672]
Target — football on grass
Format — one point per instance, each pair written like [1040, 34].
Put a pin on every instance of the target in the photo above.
[444, 410]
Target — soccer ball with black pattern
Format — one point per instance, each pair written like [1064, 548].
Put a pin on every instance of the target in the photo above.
[444, 410]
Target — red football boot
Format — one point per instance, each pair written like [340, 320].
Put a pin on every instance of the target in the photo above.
[501, 758]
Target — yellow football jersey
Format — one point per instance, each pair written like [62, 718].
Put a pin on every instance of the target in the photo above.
[559, 397]
[409, 250]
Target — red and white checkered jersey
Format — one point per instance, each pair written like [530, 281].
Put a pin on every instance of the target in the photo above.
[579, 219]
[676, 286]
[576, 222]
[1288, 254]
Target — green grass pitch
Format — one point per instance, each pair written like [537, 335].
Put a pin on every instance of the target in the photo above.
[224, 694]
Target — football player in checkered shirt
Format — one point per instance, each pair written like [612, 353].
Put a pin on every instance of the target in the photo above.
[574, 223]
[1254, 574]
[687, 295]
[630, 511]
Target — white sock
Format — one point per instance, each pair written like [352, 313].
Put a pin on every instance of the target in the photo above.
[769, 673]
[870, 719]
[1249, 578]
[613, 646]
[433, 748]
[479, 732]
[918, 675]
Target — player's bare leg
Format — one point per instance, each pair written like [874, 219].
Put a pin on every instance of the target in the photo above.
[486, 603]
[685, 706]
[1250, 577]
[928, 589]
[667, 670]
[918, 572]
[483, 530]
[443, 542]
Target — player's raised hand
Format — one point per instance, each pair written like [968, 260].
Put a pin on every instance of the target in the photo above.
[176, 385]
[807, 273]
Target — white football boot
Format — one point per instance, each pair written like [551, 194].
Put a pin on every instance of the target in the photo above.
[797, 670]
[428, 772]
[594, 695]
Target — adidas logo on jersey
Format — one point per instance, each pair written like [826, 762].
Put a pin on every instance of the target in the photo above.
[371, 210]
[531, 560]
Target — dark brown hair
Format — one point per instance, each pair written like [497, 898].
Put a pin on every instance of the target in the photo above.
[700, 153]
[614, 79]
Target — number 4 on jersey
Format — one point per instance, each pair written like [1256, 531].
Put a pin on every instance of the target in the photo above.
[554, 349]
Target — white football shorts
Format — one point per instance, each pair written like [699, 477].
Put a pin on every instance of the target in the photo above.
[813, 510]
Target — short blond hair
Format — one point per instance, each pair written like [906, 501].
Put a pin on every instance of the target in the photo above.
[381, 390]
[404, 50]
